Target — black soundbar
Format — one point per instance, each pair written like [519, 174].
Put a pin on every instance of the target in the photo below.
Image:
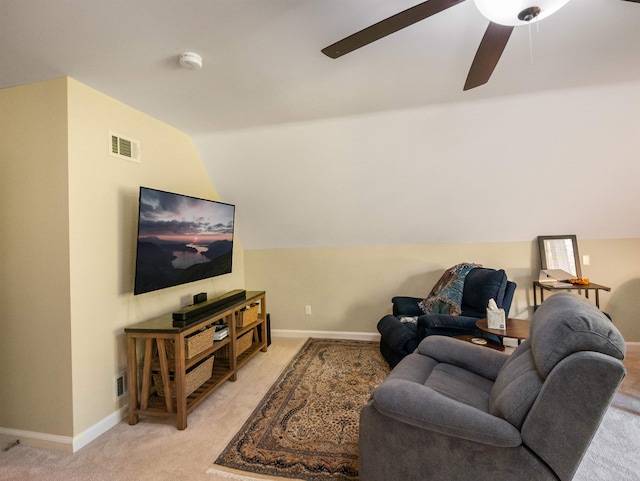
[192, 313]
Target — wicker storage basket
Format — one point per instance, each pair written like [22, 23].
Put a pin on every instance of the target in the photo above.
[195, 378]
[242, 344]
[247, 315]
[193, 344]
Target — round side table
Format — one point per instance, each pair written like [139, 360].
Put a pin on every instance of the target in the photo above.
[515, 328]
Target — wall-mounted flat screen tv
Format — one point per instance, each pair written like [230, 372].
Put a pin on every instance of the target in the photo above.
[181, 239]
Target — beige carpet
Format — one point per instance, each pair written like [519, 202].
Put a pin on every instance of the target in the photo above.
[614, 453]
[155, 450]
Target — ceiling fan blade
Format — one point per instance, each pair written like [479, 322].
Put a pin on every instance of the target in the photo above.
[491, 47]
[388, 26]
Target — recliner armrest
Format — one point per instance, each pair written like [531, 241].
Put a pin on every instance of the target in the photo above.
[399, 336]
[420, 406]
[447, 325]
[434, 321]
[480, 360]
[406, 306]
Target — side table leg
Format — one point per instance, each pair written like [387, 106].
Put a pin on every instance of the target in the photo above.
[146, 374]
[263, 326]
[181, 384]
[132, 376]
[164, 372]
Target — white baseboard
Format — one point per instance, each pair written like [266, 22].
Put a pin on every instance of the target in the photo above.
[101, 427]
[352, 336]
[66, 444]
[633, 346]
[38, 440]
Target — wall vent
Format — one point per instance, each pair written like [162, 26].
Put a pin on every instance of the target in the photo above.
[124, 147]
[121, 384]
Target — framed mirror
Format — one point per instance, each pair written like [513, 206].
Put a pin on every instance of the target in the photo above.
[560, 252]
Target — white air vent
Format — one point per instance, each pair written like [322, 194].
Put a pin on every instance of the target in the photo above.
[123, 147]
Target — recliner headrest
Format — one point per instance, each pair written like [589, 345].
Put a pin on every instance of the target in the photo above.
[567, 323]
[480, 285]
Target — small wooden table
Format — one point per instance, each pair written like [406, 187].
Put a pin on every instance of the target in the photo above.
[565, 286]
[515, 328]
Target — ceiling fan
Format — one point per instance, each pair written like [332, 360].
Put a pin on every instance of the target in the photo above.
[503, 17]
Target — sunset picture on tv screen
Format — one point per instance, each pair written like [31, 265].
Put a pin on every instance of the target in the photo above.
[181, 239]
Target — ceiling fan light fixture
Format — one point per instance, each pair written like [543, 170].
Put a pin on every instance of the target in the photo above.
[518, 12]
[529, 14]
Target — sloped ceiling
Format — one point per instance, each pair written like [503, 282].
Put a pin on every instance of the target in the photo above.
[262, 60]
[263, 68]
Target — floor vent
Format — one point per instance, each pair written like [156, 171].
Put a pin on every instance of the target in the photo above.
[123, 147]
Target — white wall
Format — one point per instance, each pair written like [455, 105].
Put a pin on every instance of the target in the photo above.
[508, 169]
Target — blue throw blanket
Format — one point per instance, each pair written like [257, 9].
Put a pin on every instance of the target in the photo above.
[446, 295]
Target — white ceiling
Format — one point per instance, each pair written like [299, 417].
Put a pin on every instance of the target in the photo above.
[262, 59]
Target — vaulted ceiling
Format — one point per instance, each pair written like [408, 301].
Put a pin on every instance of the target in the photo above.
[262, 59]
[263, 67]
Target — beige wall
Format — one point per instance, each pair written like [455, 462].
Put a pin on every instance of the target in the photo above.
[350, 289]
[65, 348]
[616, 263]
[103, 226]
[35, 333]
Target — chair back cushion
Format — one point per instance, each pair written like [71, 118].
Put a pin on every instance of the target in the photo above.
[567, 323]
[480, 285]
[578, 351]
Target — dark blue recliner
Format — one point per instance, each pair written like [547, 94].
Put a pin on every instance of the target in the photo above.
[398, 339]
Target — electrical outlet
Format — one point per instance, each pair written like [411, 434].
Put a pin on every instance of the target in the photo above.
[586, 260]
[121, 384]
[307, 310]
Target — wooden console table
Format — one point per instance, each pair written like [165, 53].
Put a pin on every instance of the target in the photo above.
[567, 287]
[173, 369]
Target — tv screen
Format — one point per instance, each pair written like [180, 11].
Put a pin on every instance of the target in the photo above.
[181, 239]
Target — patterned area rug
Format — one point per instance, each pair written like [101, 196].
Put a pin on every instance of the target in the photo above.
[306, 427]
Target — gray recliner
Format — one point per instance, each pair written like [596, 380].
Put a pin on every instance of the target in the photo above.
[453, 410]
